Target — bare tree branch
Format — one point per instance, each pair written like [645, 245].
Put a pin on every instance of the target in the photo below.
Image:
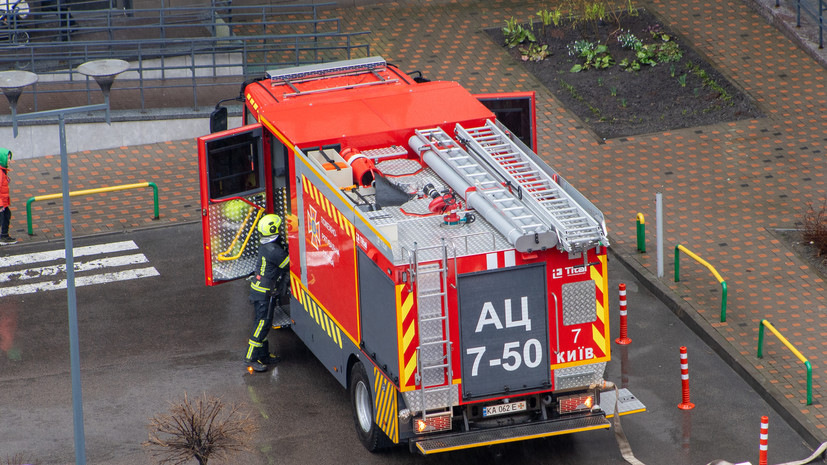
[200, 430]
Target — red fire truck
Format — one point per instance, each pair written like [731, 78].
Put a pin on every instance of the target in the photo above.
[439, 269]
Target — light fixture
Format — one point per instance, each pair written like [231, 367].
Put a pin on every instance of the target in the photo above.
[12, 84]
[104, 73]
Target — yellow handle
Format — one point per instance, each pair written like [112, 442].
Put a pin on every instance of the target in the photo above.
[223, 255]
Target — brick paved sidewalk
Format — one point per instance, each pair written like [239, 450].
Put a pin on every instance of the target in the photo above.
[171, 165]
[726, 187]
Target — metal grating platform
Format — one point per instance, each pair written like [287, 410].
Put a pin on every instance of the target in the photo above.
[626, 402]
[510, 434]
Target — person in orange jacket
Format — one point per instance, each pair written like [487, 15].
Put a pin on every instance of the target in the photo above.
[5, 198]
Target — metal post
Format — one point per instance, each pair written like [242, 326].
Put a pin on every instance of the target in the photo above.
[74, 351]
[659, 227]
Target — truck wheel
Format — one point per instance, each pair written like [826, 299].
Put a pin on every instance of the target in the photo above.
[361, 401]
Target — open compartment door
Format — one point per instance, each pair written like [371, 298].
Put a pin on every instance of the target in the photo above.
[515, 110]
[231, 170]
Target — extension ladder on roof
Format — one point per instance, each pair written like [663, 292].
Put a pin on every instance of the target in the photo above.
[576, 229]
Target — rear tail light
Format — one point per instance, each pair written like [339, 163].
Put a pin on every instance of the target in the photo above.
[575, 403]
[431, 424]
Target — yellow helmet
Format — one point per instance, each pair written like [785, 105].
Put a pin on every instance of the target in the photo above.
[269, 225]
[235, 210]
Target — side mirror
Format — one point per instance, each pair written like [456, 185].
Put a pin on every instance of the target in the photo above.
[218, 119]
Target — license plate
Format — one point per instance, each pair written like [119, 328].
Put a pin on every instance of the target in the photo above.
[502, 409]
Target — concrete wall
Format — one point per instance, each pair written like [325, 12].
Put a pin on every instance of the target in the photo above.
[128, 128]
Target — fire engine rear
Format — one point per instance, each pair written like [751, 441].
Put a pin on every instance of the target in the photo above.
[440, 270]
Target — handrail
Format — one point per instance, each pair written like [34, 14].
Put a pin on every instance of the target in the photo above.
[91, 191]
[223, 255]
[795, 352]
[641, 233]
[709, 267]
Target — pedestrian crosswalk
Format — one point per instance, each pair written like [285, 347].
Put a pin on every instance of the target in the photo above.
[94, 264]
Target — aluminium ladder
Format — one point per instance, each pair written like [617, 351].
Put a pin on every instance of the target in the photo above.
[474, 173]
[434, 367]
[577, 231]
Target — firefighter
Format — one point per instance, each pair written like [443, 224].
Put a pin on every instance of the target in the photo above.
[271, 269]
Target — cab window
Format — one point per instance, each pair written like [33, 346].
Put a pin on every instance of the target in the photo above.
[234, 165]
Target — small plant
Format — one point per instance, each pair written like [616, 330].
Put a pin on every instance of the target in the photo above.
[613, 91]
[629, 66]
[550, 17]
[654, 30]
[594, 13]
[623, 102]
[815, 227]
[600, 82]
[668, 52]
[682, 80]
[672, 71]
[199, 430]
[515, 34]
[593, 55]
[578, 47]
[534, 52]
[709, 82]
[628, 40]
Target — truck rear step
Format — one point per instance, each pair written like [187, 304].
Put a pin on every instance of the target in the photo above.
[510, 434]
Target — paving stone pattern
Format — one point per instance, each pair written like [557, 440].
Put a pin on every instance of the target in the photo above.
[725, 187]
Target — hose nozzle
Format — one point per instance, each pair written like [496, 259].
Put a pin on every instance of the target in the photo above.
[603, 385]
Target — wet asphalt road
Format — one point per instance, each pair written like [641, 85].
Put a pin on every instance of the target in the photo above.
[144, 342]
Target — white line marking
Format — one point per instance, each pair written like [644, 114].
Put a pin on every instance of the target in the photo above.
[27, 259]
[34, 273]
[80, 281]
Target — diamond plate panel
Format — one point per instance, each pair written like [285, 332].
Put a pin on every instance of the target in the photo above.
[398, 167]
[433, 399]
[578, 376]
[626, 402]
[579, 303]
[230, 224]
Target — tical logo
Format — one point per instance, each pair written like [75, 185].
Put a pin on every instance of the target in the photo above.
[558, 273]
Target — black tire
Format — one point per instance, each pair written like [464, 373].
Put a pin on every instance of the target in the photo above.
[20, 38]
[361, 403]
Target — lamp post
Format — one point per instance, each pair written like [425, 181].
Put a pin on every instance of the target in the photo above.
[12, 84]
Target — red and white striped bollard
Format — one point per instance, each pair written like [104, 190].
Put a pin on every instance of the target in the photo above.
[624, 328]
[685, 404]
[762, 448]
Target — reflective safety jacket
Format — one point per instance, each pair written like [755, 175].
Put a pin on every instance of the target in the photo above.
[273, 262]
[5, 200]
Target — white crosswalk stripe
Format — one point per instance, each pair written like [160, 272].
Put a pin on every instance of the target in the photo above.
[15, 280]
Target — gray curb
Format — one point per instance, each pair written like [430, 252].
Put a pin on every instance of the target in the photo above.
[745, 369]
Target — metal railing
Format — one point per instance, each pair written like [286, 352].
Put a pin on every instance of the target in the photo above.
[236, 44]
[795, 352]
[813, 8]
[98, 190]
[104, 20]
[679, 248]
[641, 233]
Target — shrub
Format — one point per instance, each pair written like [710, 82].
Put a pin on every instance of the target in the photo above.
[200, 429]
[815, 227]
